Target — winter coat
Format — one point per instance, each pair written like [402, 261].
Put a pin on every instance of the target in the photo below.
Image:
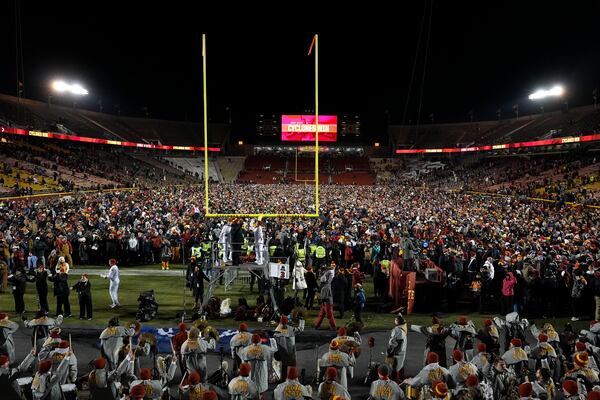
[299, 282]
[508, 284]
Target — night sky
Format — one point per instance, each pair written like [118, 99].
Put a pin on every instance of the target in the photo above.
[480, 57]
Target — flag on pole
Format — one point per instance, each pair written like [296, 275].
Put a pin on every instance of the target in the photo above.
[312, 44]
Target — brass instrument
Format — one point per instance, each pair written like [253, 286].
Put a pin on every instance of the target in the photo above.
[210, 333]
[350, 346]
[147, 338]
[137, 327]
[201, 324]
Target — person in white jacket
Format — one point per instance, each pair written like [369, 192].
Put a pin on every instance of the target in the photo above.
[225, 241]
[299, 283]
[259, 243]
[113, 287]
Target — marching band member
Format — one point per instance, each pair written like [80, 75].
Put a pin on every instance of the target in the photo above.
[571, 390]
[355, 339]
[291, 389]
[384, 388]
[43, 325]
[436, 335]
[525, 390]
[46, 384]
[242, 387]
[461, 370]
[397, 346]
[516, 358]
[472, 389]
[154, 387]
[285, 336]
[193, 351]
[330, 389]
[7, 328]
[240, 340]
[178, 340]
[258, 355]
[545, 355]
[341, 361]
[482, 360]
[57, 355]
[136, 393]
[490, 336]
[430, 373]
[464, 332]
[101, 378]
[590, 350]
[582, 370]
[112, 340]
[514, 328]
[8, 375]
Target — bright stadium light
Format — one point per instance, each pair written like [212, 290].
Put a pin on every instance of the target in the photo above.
[60, 86]
[75, 88]
[539, 94]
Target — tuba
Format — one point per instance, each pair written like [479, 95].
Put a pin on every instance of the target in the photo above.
[210, 333]
[149, 338]
[201, 324]
[137, 327]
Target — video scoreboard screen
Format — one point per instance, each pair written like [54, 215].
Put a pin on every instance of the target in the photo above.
[302, 128]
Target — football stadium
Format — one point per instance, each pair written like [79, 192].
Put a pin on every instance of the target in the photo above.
[352, 206]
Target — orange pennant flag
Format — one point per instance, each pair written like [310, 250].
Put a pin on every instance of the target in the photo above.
[312, 45]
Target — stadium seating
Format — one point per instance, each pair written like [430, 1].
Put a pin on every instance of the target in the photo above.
[195, 166]
[574, 122]
[230, 167]
[31, 114]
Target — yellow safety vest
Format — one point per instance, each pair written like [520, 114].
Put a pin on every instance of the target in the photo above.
[196, 252]
[300, 251]
[320, 252]
[313, 248]
[272, 250]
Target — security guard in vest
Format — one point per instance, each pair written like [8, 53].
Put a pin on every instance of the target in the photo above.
[300, 253]
[312, 248]
[205, 246]
[320, 258]
[196, 251]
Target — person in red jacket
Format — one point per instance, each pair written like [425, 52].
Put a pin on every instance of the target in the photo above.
[357, 276]
[508, 292]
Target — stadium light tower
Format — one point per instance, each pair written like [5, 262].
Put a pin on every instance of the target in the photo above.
[73, 89]
[540, 94]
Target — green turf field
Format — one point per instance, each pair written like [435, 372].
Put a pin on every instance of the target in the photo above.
[170, 296]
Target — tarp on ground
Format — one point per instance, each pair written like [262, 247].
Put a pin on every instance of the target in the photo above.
[164, 335]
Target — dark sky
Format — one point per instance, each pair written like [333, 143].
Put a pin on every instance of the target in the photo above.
[481, 56]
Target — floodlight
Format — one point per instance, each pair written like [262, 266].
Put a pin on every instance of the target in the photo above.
[539, 94]
[60, 86]
[75, 88]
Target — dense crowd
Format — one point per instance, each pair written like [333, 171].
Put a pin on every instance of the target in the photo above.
[505, 252]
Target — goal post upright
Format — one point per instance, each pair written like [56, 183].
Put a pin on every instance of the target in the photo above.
[207, 212]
